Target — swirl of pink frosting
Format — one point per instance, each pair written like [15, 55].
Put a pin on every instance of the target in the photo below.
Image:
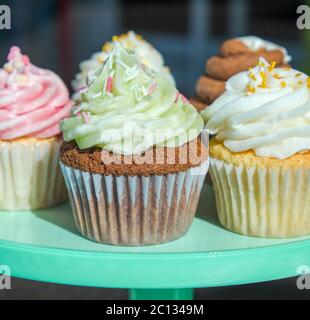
[32, 100]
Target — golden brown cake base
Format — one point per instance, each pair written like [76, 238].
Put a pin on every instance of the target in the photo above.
[249, 159]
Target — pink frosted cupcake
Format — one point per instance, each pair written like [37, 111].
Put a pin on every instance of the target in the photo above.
[32, 102]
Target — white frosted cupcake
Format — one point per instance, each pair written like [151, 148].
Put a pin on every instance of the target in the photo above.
[147, 54]
[260, 158]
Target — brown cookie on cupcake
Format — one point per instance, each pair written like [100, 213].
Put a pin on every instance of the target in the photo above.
[133, 159]
[236, 55]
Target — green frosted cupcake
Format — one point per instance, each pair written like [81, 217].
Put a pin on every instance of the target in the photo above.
[133, 160]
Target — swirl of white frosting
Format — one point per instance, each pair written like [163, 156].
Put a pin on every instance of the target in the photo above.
[255, 43]
[266, 110]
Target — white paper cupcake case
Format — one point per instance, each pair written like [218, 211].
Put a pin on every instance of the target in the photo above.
[30, 176]
[134, 211]
[262, 202]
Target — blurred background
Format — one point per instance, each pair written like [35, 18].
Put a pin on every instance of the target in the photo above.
[59, 34]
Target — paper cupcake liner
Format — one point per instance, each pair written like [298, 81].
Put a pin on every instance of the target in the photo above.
[133, 211]
[262, 202]
[30, 176]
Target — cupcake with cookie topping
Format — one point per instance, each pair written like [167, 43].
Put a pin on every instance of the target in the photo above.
[133, 160]
[235, 55]
[260, 156]
[32, 103]
[148, 55]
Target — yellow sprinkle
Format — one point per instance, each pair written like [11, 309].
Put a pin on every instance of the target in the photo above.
[261, 64]
[272, 66]
[264, 80]
[300, 82]
[107, 47]
[298, 75]
[252, 76]
[115, 38]
[277, 76]
[308, 82]
[251, 89]
[125, 35]
[283, 84]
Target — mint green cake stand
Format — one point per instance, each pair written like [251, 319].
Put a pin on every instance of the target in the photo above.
[45, 246]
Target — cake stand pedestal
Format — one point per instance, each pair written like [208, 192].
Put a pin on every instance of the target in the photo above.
[45, 246]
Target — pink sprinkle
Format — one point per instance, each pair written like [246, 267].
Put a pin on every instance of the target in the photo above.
[152, 88]
[85, 117]
[177, 97]
[109, 84]
[26, 60]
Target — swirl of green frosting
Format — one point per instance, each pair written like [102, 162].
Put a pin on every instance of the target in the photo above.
[127, 109]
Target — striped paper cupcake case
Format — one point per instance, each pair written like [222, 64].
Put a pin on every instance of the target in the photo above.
[30, 176]
[134, 211]
[262, 202]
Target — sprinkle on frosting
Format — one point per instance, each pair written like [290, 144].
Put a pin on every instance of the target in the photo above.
[109, 84]
[152, 88]
[85, 117]
[283, 84]
[272, 66]
[251, 89]
[264, 80]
